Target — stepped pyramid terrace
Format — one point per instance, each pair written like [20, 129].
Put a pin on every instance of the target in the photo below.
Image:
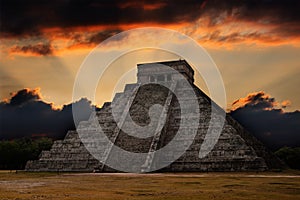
[235, 149]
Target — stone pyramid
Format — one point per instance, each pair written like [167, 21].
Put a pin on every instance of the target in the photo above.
[235, 150]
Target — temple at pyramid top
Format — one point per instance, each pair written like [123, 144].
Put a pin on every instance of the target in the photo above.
[160, 71]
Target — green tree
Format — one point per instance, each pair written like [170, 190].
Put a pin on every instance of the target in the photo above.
[291, 156]
[14, 154]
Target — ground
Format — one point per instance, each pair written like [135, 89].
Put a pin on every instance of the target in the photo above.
[72, 186]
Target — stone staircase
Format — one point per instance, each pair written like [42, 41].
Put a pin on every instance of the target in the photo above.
[146, 96]
[231, 152]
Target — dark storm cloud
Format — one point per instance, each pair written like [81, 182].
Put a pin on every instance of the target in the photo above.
[273, 126]
[93, 38]
[218, 36]
[258, 100]
[29, 17]
[102, 35]
[26, 114]
[37, 49]
[272, 11]
[24, 96]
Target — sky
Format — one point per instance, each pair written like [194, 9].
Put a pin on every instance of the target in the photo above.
[254, 43]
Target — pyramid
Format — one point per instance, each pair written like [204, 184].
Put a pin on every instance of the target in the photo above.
[235, 149]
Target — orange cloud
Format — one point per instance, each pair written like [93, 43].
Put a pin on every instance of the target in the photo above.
[225, 31]
[34, 92]
[259, 100]
[143, 5]
[286, 103]
[28, 94]
[154, 6]
[33, 50]
[25, 94]
[253, 98]
[212, 23]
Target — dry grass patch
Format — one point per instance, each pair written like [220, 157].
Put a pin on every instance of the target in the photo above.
[234, 186]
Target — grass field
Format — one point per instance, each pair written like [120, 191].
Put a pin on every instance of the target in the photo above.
[269, 186]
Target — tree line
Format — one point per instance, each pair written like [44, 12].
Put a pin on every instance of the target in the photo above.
[15, 153]
[290, 155]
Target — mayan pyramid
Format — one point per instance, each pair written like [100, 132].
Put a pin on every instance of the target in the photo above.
[235, 150]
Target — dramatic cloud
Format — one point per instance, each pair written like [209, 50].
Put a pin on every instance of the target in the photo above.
[31, 17]
[286, 103]
[24, 96]
[142, 5]
[266, 119]
[90, 39]
[26, 114]
[258, 100]
[38, 50]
